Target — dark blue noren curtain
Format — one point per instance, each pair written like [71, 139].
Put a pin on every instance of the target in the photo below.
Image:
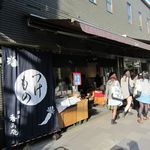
[29, 108]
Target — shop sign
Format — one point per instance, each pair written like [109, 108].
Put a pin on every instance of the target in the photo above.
[77, 78]
[29, 108]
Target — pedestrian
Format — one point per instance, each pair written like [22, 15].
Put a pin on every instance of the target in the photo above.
[127, 89]
[134, 76]
[144, 96]
[113, 95]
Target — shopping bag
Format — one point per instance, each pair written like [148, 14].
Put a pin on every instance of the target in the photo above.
[116, 93]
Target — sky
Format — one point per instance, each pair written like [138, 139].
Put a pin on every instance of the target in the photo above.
[148, 1]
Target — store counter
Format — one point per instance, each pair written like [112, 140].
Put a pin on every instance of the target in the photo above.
[65, 102]
[73, 114]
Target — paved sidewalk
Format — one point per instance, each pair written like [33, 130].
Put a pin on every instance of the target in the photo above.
[99, 134]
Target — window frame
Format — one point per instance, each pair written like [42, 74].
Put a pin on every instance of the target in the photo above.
[93, 1]
[129, 13]
[140, 20]
[110, 2]
[148, 25]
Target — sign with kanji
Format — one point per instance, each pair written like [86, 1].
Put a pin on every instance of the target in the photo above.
[29, 108]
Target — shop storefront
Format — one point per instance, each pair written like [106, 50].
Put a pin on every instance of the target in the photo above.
[68, 70]
[88, 67]
[136, 64]
[56, 72]
[76, 77]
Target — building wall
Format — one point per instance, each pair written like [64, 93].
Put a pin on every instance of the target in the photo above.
[13, 21]
[13, 16]
[116, 22]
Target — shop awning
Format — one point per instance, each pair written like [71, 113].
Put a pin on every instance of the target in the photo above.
[114, 37]
[144, 41]
[81, 29]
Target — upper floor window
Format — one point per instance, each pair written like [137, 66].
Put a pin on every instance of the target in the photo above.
[109, 6]
[93, 1]
[148, 25]
[129, 12]
[140, 20]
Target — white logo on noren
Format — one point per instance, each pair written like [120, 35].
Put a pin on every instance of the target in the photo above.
[30, 87]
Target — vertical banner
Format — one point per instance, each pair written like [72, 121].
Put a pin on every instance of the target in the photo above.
[29, 108]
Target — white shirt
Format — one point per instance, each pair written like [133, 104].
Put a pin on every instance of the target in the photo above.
[125, 81]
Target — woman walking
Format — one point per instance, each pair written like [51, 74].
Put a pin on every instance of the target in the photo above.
[114, 95]
[142, 86]
[127, 86]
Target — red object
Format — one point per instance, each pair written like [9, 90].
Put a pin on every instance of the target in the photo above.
[98, 94]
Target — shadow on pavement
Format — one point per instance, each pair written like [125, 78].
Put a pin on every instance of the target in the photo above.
[132, 145]
[61, 148]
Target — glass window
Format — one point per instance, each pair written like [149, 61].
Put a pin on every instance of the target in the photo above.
[129, 12]
[140, 20]
[93, 1]
[148, 25]
[109, 6]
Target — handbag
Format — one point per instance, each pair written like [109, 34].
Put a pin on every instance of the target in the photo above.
[116, 93]
[138, 94]
[137, 90]
[116, 97]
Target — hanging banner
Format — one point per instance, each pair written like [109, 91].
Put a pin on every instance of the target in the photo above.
[29, 108]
